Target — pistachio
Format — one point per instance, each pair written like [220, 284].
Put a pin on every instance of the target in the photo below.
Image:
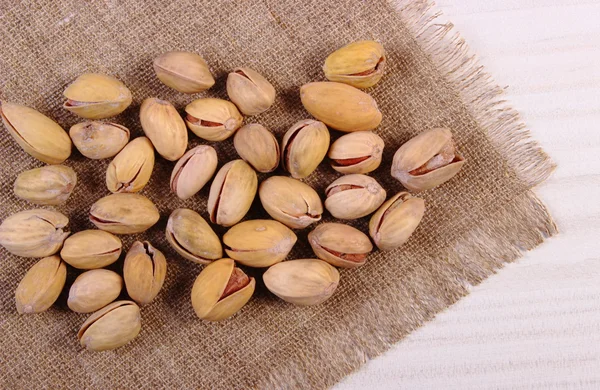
[111, 327]
[193, 171]
[259, 242]
[96, 96]
[184, 71]
[340, 106]
[98, 140]
[250, 91]
[92, 290]
[35, 133]
[192, 237]
[131, 169]
[91, 249]
[303, 147]
[124, 213]
[221, 290]
[213, 119]
[303, 282]
[290, 201]
[41, 285]
[340, 245]
[359, 64]
[358, 152]
[396, 220]
[427, 160]
[258, 147]
[165, 128]
[49, 185]
[34, 233]
[353, 196]
[144, 272]
[231, 193]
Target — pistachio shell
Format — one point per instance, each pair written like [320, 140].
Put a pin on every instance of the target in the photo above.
[49, 185]
[112, 327]
[359, 64]
[192, 237]
[213, 119]
[250, 91]
[144, 272]
[340, 245]
[96, 96]
[41, 285]
[353, 196]
[396, 220]
[358, 152]
[184, 71]
[193, 171]
[98, 140]
[303, 147]
[165, 128]
[92, 290]
[124, 213]
[91, 249]
[131, 169]
[258, 147]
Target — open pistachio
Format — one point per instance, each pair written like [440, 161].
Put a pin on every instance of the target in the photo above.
[184, 71]
[111, 327]
[231, 193]
[340, 245]
[193, 170]
[35, 133]
[92, 290]
[221, 290]
[290, 201]
[91, 249]
[427, 160]
[41, 285]
[165, 128]
[131, 169]
[192, 237]
[303, 147]
[358, 152]
[303, 282]
[259, 242]
[258, 147]
[34, 233]
[98, 140]
[124, 213]
[144, 272]
[49, 185]
[396, 220]
[213, 119]
[353, 196]
[359, 64]
[96, 96]
[250, 91]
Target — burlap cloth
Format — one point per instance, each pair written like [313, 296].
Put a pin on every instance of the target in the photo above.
[474, 224]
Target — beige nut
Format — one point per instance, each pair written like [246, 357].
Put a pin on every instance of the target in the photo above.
[213, 119]
[395, 221]
[49, 185]
[303, 147]
[41, 285]
[353, 196]
[359, 64]
[258, 147]
[144, 272]
[184, 71]
[250, 91]
[98, 140]
[340, 245]
[96, 96]
[92, 290]
[111, 327]
[358, 152]
[89, 249]
[124, 213]
[165, 128]
[192, 237]
[193, 170]
[132, 168]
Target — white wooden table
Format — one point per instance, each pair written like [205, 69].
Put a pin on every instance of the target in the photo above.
[535, 324]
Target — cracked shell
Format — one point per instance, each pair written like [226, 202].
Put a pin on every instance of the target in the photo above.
[192, 237]
[144, 272]
[96, 96]
[91, 249]
[41, 285]
[358, 152]
[99, 140]
[111, 327]
[340, 245]
[183, 71]
[250, 91]
[193, 170]
[124, 213]
[303, 147]
[213, 119]
[131, 169]
[395, 221]
[360, 64]
[353, 196]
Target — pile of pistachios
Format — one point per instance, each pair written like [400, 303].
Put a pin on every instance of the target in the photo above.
[221, 288]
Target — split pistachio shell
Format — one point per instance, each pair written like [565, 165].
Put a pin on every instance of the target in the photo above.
[144, 272]
[192, 237]
[259, 242]
[35, 133]
[111, 327]
[231, 193]
[303, 282]
[49, 185]
[221, 290]
[359, 64]
[358, 152]
[396, 220]
[41, 285]
[258, 147]
[340, 106]
[184, 71]
[91, 249]
[96, 96]
[92, 290]
[340, 245]
[213, 119]
[34, 233]
[131, 169]
[427, 160]
[193, 171]
[98, 140]
[250, 91]
[165, 128]
[290, 201]
[303, 147]
[124, 213]
[353, 196]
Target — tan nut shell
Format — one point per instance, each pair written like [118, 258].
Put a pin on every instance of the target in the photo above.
[131, 169]
[358, 152]
[124, 213]
[35, 133]
[184, 71]
[359, 64]
[49, 185]
[395, 221]
[302, 282]
[340, 245]
[259, 242]
[250, 91]
[91, 249]
[98, 140]
[192, 237]
[41, 285]
[258, 147]
[111, 327]
[165, 128]
[193, 170]
[215, 119]
[92, 290]
[303, 147]
[97, 96]
[354, 203]
[144, 272]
